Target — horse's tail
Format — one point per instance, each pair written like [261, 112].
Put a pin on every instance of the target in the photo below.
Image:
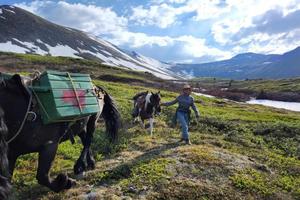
[4, 182]
[111, 116]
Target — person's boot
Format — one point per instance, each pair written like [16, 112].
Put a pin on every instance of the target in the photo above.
[188, 142]
[181, 140]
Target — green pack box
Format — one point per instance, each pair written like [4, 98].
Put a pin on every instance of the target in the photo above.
[64, 96]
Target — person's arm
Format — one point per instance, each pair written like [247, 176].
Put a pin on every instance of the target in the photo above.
[170, 103]
[195, 108]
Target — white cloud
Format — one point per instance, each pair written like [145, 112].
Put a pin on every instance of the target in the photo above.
[244, 13]
[161, 15]
[196, 47]
[136, 40]
[275, 44]
[89, 18]
[191, 47]
[259, 26]
[207, 9]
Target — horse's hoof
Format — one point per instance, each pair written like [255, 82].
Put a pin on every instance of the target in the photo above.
[79, 167]
[70, 183]
[91, 163]
[79, 176]
[91, 166]
[60, 183]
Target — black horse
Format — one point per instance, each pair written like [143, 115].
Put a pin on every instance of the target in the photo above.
[4, 182]
[146, 105]
[44, 139]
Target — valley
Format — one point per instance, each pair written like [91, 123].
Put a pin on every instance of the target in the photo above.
[239, 151]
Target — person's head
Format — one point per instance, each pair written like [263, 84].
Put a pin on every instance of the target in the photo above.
[187, 90]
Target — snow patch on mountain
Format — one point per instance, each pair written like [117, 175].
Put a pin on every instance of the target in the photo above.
[31, 47]
[11, 11]
[10, 47]
[148, 60]
[62, 50]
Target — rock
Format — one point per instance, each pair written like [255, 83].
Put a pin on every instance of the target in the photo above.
[91, 196]
[132, 189]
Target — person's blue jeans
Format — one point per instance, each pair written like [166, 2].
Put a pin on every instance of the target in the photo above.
[183, 119]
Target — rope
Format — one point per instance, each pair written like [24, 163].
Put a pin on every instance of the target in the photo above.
[74, 89]
[23, 122]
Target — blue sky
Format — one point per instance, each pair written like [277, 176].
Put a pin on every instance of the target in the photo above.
[185, 31]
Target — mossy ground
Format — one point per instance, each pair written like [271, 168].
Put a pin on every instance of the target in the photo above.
[239, 151]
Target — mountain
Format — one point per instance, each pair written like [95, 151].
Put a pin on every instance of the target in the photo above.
[24, 32]
[247, 65]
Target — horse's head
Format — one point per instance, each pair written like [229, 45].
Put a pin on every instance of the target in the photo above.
[13, 94]
[12, 86]
[155, 100]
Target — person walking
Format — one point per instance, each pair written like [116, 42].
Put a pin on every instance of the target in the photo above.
[185, 101]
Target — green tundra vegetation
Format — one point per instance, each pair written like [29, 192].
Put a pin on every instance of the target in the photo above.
[255, 85]
[239, 151]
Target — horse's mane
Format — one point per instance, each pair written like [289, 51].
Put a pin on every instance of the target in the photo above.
[111, 116]
[4, 183]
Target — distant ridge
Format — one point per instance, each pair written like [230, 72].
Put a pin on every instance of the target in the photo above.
[247, 65]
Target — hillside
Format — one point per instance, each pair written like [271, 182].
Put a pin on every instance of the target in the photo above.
[27, 62]
[248, 66]
[239, 151]
[24, 32]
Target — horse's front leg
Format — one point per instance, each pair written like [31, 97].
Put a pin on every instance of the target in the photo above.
[46, 157]
[80, 165]
[90, 130]
[151, 122]
[86, 161]
[91, 163]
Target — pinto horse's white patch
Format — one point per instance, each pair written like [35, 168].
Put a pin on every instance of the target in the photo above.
[148, 100]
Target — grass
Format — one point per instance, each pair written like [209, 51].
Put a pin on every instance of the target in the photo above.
[253, 181]
[227, 133]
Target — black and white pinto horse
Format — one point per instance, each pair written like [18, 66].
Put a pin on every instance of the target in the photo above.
[27, 136]
[147, 105]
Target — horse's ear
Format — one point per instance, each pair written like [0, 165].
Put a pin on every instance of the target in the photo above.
[17, 79]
